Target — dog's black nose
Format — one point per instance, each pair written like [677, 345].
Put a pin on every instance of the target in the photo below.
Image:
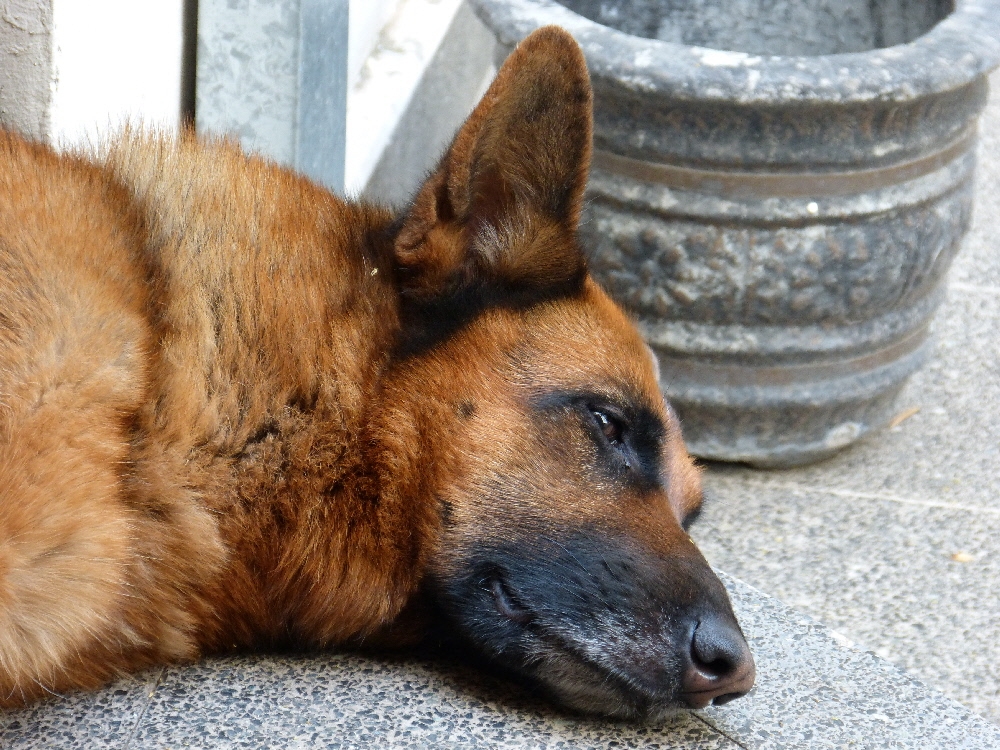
[721, 667]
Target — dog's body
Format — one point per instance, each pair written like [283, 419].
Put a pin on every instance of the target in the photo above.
[238, 412]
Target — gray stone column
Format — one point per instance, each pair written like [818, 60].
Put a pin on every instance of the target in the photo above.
[457, 76]
[274, 73]
[26, 66]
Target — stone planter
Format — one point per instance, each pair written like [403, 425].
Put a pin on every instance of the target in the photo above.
[779, 206]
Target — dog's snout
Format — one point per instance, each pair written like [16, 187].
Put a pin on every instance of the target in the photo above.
[720, 667]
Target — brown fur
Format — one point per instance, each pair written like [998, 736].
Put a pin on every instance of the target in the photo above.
[238, 412]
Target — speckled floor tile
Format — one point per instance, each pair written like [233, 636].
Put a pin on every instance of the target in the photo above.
[815, 690]
[880, 572]
[354, 701]
[81, 721]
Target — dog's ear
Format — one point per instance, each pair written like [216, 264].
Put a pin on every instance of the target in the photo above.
[501, 208]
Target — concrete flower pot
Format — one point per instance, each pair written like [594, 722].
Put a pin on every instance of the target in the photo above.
[777, 206]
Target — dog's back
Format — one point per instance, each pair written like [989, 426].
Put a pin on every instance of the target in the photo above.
[75, 343]
[230, 242]
[164, 310]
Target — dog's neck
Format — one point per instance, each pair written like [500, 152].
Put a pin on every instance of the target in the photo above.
[319, 493]
[265, 418]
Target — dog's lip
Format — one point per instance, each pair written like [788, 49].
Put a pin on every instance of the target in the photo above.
[509, 606]
[697, 698]
[643, 699]
[703, 698]
[507, 603]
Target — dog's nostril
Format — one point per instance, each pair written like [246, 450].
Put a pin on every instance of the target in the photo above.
[721, 667]
[721, 700]
[715, 650]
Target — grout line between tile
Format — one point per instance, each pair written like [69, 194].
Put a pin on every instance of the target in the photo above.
[711, 725]
[145, 708]
[887, 497]
[961, 286]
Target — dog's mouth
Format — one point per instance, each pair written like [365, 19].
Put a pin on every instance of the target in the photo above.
[564, 667]
[506, 603]
[605, 660]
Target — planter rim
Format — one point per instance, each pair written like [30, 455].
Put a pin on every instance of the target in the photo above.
[962, 47]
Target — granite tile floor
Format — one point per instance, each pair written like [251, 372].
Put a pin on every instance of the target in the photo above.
[894, 544]
[815, 690]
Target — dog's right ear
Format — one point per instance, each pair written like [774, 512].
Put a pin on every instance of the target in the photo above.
[499, 213]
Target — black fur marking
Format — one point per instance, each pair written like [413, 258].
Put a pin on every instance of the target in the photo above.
[465, 409]
[267, 431]
[426, 324]
[447, 511]
[691, 517]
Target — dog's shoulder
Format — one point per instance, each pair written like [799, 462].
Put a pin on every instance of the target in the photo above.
[210, 191]
[278, 273]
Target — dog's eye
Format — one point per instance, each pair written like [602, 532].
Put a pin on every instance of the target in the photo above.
[610, 427]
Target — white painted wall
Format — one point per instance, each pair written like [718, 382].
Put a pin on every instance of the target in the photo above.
[367, 19]
[380, 94]
[114, 60]
[120, 60]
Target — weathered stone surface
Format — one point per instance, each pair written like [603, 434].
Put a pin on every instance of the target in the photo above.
[780, 226]
[26, 66]
[770, 27]
[957, 51]
[816, 272]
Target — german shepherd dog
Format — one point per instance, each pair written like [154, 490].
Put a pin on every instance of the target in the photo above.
[237, 412]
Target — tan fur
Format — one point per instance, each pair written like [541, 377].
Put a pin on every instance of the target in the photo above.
[209, 436]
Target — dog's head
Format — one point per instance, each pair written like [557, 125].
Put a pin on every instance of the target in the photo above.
[561, 479]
